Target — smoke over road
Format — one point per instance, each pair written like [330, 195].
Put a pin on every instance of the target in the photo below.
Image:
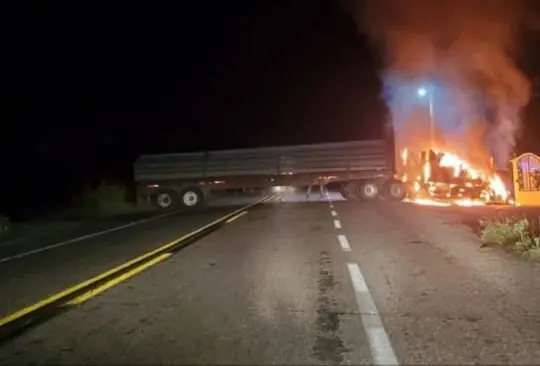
[466, 48]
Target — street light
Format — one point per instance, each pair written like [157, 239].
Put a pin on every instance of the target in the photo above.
[422, 92]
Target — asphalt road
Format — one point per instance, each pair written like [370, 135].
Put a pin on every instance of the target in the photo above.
[295, 282]
[26, 280]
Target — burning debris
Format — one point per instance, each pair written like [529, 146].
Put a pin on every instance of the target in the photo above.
[453, 88]
[456, 60]
[441, 178]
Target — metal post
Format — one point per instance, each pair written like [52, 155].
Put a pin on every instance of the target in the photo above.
[431, 121]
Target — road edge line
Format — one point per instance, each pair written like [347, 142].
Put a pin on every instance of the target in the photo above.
[117, 280]
[236, 217]
[87, 236]
[85, 286]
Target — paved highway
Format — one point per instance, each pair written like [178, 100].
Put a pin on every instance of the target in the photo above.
[30, 278]
[290, 282]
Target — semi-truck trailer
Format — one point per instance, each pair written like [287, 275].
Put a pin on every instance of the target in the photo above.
[364, 170]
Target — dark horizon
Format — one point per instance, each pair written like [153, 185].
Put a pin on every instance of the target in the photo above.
[91, 91]
[88, 95]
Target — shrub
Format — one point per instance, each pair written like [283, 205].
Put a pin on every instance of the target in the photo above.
[105, 199]
[5, 226]
[505, 232]
[516, 233]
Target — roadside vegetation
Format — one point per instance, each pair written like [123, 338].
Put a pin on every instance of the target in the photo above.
[5, 226]
[519, 234]
[104, 202]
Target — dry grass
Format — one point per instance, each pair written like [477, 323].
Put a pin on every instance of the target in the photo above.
[520, 234]
[105, 200]
[102, 202]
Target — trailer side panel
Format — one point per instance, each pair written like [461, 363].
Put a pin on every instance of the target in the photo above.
[272, 161]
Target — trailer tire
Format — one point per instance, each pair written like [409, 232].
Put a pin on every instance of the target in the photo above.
[348, 191]
[394, 190]
[191, 197]
[344, 193]
[368, 190]
[165, 199]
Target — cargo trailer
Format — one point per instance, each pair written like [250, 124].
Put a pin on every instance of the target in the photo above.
[364, 170]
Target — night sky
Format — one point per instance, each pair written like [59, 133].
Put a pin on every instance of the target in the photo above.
[89, 89]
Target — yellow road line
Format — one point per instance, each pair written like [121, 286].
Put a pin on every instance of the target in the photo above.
[51, 299]
[70, 290]
[235, 217]
[117, 280]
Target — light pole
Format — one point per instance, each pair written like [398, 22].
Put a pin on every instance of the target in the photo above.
[422, 92]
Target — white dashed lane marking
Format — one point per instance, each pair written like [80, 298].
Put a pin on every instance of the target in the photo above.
[344, 243]
[379, 343]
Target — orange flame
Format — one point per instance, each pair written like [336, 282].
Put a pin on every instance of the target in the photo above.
[497, 185]
[427, 171]
[404, 156]
[491, 184]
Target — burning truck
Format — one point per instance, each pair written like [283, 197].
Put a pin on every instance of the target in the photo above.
[442, 178]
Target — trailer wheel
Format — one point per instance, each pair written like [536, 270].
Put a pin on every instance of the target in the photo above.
[368, 190]
[191, 197]
[394, 190]
[165, 200]
[344, 193]
[348, 191]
